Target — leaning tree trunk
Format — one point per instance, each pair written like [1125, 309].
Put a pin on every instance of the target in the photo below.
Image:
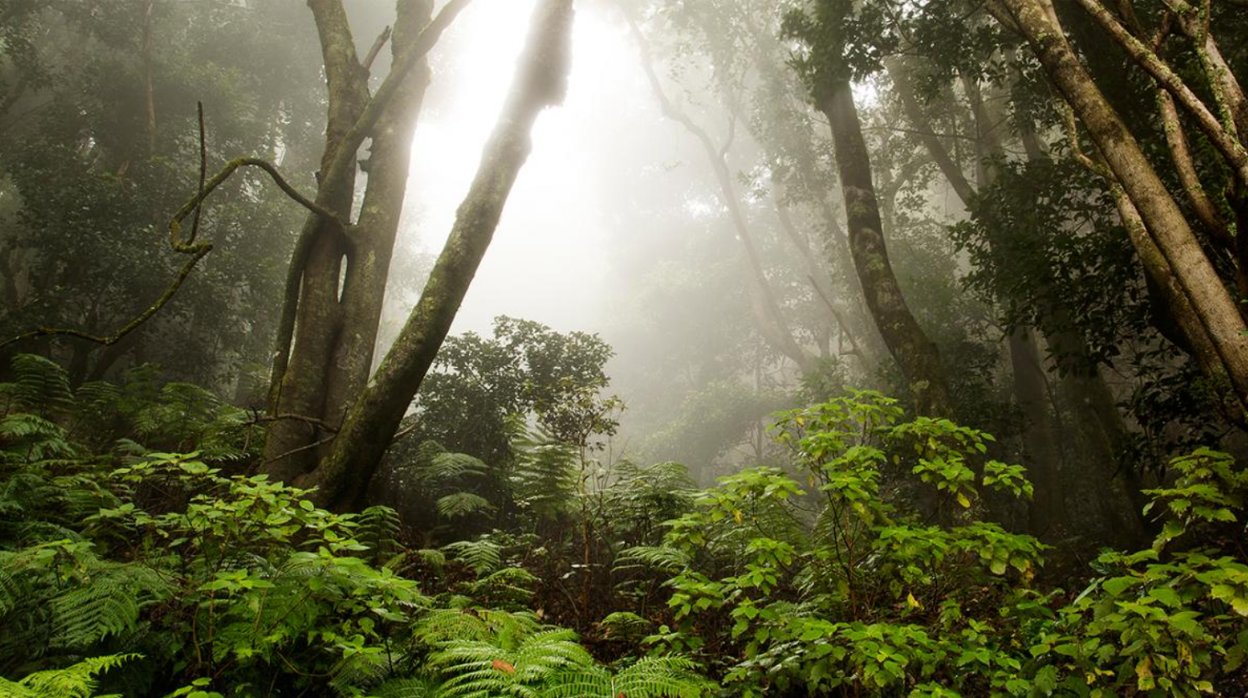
[909, 345]
[541, 81]
[1165, 223]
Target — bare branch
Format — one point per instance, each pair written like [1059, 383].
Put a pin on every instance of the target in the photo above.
[376, 49]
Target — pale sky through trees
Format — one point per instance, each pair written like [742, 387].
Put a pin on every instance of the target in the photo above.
[549, 261]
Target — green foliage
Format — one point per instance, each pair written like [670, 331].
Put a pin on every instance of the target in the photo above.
[863, 566]
[524, 369]
[546, 476]
[74, 681]
[862, 594]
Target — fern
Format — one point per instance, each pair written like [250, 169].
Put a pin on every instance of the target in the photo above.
[454, 506]
[481, 556]
[39, 385]
[625, 625]
[108, 604]
[30, 437]
[648, 557]
[444, 625]
[477, 669]
[546, 469]
[649, 677]
[378, 528]
[510, 585]
[75, 681]
[447, 467]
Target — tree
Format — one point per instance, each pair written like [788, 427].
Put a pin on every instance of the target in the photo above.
[337, 275]
[540, 82]
[826, 66]
[1164, 237]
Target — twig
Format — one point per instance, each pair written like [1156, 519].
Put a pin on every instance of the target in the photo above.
[376, 49]
[262, 419]
[301, 449]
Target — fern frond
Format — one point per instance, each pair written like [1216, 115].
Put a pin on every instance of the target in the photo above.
[75, 681]
[625, 625]
[446, 624]
[451, 467]
[31, 437]
[649, 677]
[545, 473]
[107, 605]
[378, 528]
[650, 557]
[39, 384]
[479, 669]
[481, 556]
[453, 506]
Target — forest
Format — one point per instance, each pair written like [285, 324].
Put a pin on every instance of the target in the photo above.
[623, 348]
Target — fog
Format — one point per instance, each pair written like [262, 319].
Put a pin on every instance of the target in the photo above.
[551, 259]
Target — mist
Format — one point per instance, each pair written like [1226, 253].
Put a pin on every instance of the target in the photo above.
[623, 348]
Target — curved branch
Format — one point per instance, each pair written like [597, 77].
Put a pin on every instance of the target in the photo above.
[188, 246]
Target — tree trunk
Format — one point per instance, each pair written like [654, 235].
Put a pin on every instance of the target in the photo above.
[336, 284]
[541, 81]
[905, 339]
[1161, 216]
[368, 260]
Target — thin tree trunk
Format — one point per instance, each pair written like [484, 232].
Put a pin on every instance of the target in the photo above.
[541, 81]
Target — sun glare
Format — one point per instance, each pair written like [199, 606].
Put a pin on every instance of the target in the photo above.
[547, 258]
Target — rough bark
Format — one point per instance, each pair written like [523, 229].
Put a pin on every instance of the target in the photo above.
[328, 326]
[1164, 221]
[541, 81]
[908, 344]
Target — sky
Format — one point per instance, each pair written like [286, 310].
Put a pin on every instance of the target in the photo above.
[549, 260]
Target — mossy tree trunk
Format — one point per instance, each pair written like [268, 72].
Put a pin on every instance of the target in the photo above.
[908, 344]
[336, 282]
[541, 81]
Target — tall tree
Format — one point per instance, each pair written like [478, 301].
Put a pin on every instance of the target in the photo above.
[826, 66]
[337, 274]
[540, 82]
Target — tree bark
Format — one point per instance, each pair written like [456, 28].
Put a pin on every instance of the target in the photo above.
[1164, 221]
[541, 81]
[909, 345]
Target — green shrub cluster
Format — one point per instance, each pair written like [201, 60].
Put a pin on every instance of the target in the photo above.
[864, 567]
